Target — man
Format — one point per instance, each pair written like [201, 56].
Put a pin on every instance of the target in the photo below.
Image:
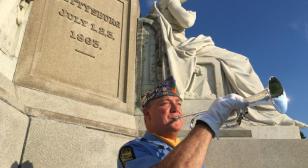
[160, 147]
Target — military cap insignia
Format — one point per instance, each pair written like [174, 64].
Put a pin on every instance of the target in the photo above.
[126, 154]
[165, 88]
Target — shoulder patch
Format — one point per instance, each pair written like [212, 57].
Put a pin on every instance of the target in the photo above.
[126, 154]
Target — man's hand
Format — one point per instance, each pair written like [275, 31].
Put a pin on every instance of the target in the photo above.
[220, 110]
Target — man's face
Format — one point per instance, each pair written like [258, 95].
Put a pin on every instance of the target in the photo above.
[160, 115]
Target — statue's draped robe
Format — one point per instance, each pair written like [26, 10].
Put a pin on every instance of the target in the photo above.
[13, 13]
[183, 56]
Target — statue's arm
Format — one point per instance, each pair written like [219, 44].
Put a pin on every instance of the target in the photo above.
[184, 17]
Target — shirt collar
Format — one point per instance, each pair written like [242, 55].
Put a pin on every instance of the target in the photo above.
[159, 140]
[171, 142]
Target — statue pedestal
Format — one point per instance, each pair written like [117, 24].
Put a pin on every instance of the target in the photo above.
[257, 153]
[70, 100]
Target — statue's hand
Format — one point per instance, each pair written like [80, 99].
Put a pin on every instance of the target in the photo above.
[192, 12]
[184, 17]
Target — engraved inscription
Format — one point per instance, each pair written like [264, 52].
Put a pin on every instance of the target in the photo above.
[102, 31]
[80, 37]
[82, 50]
[73, 18]
[91, 10]
[85, 23]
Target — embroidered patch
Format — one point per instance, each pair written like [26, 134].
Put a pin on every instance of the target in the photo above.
[126, 154]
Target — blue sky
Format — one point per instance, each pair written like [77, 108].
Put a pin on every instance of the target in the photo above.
[273, 34]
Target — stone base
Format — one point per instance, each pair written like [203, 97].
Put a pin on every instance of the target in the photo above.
[275, 132]
[43, 130]
[53, 144]
[262, 132]
[13, 128]
[253, 153]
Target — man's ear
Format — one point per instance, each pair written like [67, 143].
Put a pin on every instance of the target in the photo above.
[146, 118]
[146, 111]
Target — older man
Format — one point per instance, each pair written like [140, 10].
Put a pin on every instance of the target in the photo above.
[160, 147]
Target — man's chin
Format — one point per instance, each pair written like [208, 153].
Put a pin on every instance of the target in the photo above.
[177, 125]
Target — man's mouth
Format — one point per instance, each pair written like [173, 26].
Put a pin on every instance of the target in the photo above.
[175, 117]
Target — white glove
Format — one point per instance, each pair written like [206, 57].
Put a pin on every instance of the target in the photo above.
[220, 110]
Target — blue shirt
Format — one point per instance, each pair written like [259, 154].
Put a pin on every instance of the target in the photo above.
[143, 152]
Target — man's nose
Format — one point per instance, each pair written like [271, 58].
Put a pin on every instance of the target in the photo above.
[175, 108]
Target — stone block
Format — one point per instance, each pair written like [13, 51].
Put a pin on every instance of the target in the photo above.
[53, 144]
[8, 93]
[275, 132]
[84, 50]
[257, 153]
[13, 128]
[53, 107]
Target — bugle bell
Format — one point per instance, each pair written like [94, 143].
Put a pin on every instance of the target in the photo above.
[273, 95]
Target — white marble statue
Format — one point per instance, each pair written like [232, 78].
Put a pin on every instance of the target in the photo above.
[13, 14]
[183, 55]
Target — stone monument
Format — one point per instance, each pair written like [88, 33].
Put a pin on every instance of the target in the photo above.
[71, 73]
[67, 81]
